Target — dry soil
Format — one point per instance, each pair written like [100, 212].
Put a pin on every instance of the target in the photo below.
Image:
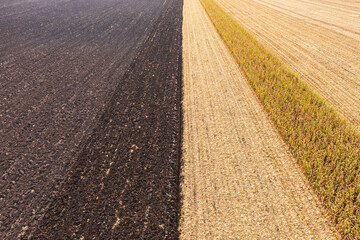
[319, 40]
[239, 180]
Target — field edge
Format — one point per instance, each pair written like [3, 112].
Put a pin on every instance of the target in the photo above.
[325, 146]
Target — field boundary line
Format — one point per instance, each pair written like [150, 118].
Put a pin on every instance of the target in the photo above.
[324, 144]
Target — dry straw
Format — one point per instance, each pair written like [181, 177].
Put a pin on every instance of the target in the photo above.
[326, 146]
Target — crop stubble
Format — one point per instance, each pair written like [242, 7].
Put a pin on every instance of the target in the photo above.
[339, 16]
[239, 180]
[319, 40]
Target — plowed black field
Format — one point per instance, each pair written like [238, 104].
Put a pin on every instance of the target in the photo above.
[58, 82]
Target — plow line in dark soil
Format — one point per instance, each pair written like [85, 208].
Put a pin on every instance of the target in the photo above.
[60, 63]
[125, 184]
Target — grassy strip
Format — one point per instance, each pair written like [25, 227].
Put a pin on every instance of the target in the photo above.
[327, 147]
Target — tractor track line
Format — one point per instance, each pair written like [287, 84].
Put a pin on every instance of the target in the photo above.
[60, 63]
[239, 180]
[125, 184]
[321, 53]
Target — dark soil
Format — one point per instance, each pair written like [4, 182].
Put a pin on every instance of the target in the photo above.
[125, 184]
[57, 71]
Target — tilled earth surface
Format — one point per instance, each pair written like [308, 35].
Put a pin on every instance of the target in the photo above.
[60, 64]
[125, 182]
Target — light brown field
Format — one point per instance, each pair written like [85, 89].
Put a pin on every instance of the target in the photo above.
[239, 180]
[342, 16]
[318, 39]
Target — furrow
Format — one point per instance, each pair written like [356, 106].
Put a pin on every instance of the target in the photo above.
[239, 179]
[327, 60]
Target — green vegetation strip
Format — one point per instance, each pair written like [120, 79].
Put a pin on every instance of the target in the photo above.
[325, 145]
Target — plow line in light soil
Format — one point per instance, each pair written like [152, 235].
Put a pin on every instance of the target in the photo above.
[325, 146]
[239, 179]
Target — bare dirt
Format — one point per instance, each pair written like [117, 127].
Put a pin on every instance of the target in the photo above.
[87, 151]
[239, 179]
[319, 40]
